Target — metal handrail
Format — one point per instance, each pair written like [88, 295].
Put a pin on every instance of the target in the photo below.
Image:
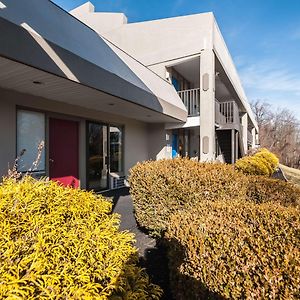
[191, 100]
[227, 113]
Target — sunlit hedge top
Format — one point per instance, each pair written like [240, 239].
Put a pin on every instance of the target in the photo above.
[63, 243]
[263, 162]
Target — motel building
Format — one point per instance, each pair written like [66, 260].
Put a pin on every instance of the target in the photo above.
[104, 94]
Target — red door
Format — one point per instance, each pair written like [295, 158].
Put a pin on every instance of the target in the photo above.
[63, 152]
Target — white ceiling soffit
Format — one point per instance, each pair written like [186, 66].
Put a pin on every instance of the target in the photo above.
[31, 81]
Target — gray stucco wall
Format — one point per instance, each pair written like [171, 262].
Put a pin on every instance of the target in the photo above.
[135, 140]
[7, 134]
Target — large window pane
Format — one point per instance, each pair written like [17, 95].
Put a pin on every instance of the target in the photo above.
[30, 133]
[97, 157]
[116, 155]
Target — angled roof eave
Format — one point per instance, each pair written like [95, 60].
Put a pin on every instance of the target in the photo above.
[60, 44]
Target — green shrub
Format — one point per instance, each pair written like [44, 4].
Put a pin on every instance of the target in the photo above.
[64, 243]
[263, 162]
[263, 189]
[235, 250]
[161, 188]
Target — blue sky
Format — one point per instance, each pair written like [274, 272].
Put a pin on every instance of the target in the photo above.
[263, 37]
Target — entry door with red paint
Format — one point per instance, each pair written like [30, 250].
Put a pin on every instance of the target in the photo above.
[64, 152]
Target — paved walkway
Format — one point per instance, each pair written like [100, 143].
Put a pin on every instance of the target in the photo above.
[152, 256]
[123, 206]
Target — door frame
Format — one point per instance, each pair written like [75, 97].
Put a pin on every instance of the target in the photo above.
[55, 118]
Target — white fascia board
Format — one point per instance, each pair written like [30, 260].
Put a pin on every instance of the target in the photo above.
[225, 59]
[190, 123]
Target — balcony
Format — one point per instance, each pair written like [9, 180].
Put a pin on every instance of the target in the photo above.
[227, 114]
[191, 100]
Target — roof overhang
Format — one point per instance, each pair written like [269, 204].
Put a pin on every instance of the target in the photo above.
[28, 38]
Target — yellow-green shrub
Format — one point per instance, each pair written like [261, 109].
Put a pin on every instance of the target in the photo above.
[161, 188]
[263, 162]
[263, 189]
[64, 243]
[235, 250]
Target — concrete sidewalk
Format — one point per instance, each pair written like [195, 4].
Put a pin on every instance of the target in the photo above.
[152, 255]
[124, 207]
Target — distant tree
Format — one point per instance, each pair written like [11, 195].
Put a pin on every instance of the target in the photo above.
[279, 131]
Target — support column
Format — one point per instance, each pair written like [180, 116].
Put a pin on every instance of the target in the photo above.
[207, 105]
[245, 131]
[236, 146]
[232, 146]
[253, 131]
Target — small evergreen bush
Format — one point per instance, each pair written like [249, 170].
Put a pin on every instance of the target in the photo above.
[64, 243]
[263, 162]
[235, 250]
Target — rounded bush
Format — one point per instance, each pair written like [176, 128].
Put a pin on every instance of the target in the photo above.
[235, 250]
[161, 188]
[263, 162]
[64, 243]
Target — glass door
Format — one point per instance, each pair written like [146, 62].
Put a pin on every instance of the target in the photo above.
[97, 156]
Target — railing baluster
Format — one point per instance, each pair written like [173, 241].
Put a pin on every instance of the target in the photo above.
[191, 100]
[194, 102]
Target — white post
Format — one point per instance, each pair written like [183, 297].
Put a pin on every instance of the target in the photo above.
[253, 131]
[207, 105]
[245, 131]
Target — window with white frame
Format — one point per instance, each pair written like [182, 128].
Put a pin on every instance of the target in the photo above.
[30, 134]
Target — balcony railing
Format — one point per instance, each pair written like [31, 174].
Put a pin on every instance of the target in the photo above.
[226, 113]
[191, 100]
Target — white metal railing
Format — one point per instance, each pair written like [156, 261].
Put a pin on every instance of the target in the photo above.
[191, 100]
[226, 113]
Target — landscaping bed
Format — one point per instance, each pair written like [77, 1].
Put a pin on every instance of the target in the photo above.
[229, 235]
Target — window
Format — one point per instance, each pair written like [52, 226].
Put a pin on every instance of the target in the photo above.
[116, 149]
[97, 159]
[30, 133]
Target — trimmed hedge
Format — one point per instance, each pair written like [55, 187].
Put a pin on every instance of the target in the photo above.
[263, 189]
[235, 250]
[162, 188]
[229, 236]
[263, 162]
[64, 243]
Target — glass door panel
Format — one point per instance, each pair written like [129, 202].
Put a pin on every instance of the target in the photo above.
[97, 157]
[116, 146]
